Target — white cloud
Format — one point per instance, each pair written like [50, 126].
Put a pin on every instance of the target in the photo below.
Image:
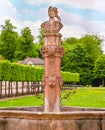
[90, 4]
[72, 31]
[69, 19]
[7, 11]
[34, 26]
[43, 14]
[33, 2]
[103, 47]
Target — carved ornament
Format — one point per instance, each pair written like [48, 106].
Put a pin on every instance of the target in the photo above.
[52, 51]
[52, 81]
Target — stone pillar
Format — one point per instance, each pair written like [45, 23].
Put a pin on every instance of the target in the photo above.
[52, 53]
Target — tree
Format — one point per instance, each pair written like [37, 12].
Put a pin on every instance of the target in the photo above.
[37, 49]
[92, 43]
[26, 47]
[80, 56]
[68, 45]
[8, 40]
[40, 36]
[40, 42]
[79, 63]
[99, 68]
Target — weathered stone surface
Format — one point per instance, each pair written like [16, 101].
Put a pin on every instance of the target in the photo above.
[74, 120]
[103, 124]
[52, 53]
[3, 123]
[87, 124]
[22, 124]
[52, 25]
[26, 124]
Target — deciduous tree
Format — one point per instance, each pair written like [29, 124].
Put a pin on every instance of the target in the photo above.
[80, 56]
[8, 40]
[26, 47]
[99, 69]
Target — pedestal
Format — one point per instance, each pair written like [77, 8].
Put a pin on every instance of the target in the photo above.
[52, 81]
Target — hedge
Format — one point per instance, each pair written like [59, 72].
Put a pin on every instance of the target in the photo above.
[5, 71]
[69, 77]
[17, 72]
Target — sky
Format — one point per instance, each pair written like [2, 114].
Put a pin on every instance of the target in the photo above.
[79, 17]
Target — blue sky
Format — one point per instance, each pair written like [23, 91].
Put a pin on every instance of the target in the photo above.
[79, 17]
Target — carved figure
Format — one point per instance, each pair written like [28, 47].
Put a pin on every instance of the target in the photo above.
[52, 26]
[52, 81]
[53, 12]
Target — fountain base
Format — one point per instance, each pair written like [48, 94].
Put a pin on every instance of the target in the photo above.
[70, 118]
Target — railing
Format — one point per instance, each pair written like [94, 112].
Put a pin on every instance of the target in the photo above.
[13, 89]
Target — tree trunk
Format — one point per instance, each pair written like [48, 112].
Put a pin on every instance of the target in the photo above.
[103, 82]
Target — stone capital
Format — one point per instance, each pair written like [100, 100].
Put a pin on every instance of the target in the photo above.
[52, 39]
[56, 51]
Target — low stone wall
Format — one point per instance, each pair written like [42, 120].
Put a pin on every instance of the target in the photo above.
[24, 119]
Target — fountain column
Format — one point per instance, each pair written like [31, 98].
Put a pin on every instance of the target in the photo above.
[52, 53]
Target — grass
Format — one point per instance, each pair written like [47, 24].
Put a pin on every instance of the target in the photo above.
[84, 97]
[87, 97]
[21, 101]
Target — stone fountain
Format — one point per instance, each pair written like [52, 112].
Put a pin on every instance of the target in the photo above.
[52, 53]
[52, 116]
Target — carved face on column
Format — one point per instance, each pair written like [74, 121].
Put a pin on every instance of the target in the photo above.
[49, 81]
[52, 81]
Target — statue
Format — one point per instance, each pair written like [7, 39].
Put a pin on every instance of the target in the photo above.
[53, 25]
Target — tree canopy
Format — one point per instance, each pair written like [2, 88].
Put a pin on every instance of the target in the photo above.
[99, 68]
[80, 56]
[8, 40]
[25, 46]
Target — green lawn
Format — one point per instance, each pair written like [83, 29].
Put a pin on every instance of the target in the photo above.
[87, 97]
[84, 97]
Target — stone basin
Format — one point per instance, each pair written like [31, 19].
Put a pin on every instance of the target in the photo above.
[70, 118]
